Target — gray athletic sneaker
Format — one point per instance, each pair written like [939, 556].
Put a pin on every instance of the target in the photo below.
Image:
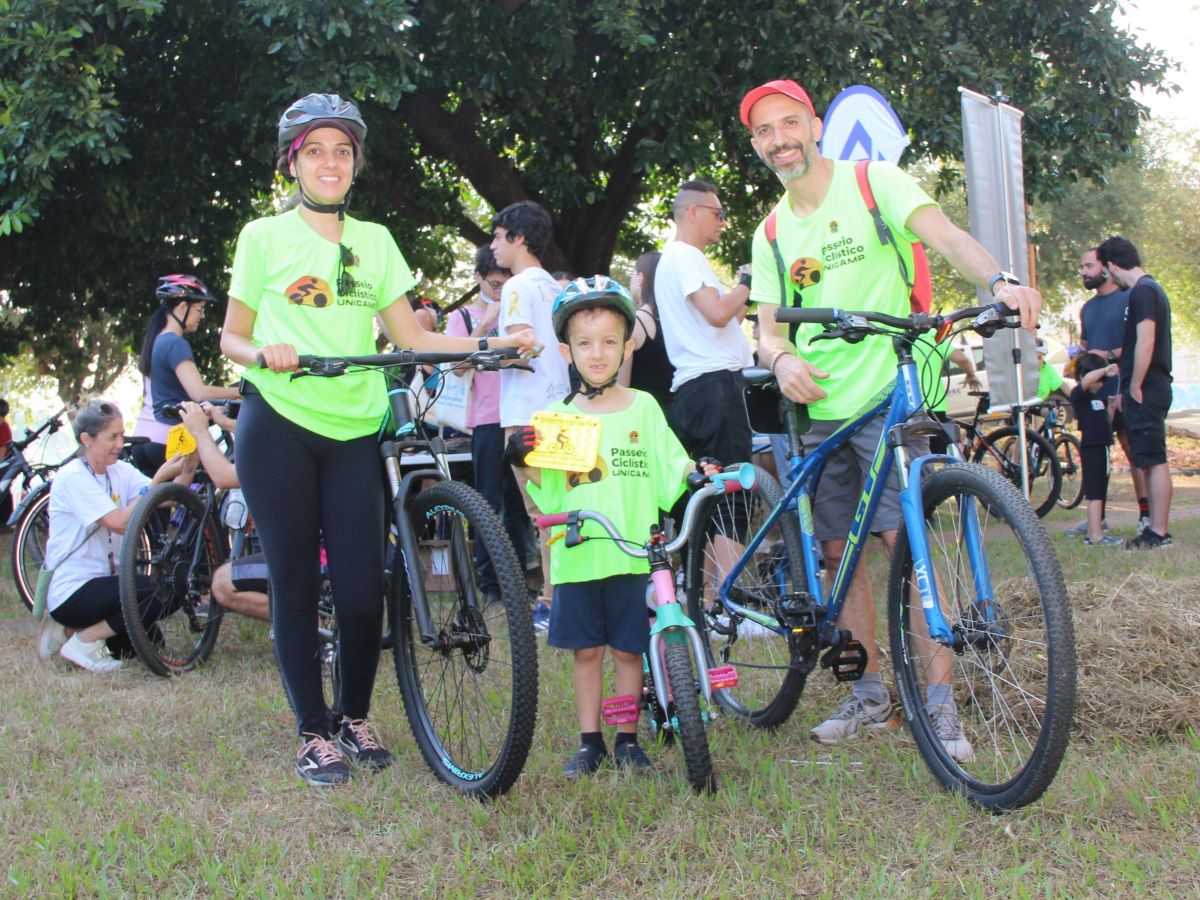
[1080, 529]
[947, 725]
[854, 714]
[51, 638]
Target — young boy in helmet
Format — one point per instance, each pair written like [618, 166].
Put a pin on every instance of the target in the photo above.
[600, 592]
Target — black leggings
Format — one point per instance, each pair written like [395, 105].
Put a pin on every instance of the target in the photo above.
[100, 599]
[299, 486]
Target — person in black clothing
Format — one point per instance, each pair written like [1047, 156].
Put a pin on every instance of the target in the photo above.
[648, 368]
[1095, 437]
[1145, 371]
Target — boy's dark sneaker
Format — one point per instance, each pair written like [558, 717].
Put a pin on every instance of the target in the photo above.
[359, 741]
[631, 756]
[587, 759]
[321, 763]
[1149, 539]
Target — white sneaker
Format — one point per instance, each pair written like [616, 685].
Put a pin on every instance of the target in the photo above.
[947, 725]
[852, 715]
[90, 655]
[51, 638]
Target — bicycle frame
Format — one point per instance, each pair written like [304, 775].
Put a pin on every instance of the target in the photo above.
[898, 403]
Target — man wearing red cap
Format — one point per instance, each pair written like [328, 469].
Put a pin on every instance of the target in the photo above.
[834, 258]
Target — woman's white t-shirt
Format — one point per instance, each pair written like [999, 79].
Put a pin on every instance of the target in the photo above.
[78, 500]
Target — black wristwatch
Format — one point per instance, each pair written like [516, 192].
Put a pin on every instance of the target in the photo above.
[483, 343]
[744, 279]
[1007, 277]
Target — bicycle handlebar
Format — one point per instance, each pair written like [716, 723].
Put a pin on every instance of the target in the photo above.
[992, 315]
[730, 481]
[53, 424]
[332, 366]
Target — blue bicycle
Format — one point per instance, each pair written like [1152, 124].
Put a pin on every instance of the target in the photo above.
[975, 598]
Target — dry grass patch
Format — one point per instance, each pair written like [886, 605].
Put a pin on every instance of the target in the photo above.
[1138, 647]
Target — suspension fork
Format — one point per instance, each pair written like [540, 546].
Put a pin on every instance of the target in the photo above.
[671, 626]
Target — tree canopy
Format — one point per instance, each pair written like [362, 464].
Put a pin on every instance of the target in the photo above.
[138, 135]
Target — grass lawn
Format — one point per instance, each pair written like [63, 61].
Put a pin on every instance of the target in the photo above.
[133, 785]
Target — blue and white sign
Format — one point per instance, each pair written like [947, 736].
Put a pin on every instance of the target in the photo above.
[861, 124]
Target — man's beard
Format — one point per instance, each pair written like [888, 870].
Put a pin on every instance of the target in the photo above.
[798, 168]
[1094, 281]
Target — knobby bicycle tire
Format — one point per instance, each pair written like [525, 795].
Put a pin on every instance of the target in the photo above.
[770, 678]
[1045, 475]
[471, 697]
[1070, 461]
[1013, 684]
[172, 541]
[688, 718]
[29, 545]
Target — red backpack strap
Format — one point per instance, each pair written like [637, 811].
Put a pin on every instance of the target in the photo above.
[881, 227]
[771, 230]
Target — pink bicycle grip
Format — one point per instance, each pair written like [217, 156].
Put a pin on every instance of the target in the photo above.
[555, 519]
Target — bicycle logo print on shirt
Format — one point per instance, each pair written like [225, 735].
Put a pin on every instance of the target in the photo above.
[317, 293]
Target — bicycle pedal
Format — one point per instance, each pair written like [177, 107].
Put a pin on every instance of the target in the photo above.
[848, 660]
[722, 677]
[622, 710]
[797, 611]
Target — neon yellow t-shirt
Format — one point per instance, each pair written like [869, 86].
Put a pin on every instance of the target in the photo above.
[639, 470]
[288, 274]
[1048, 381]
[836, 260]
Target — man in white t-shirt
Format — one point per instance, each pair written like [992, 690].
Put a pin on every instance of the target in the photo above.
[520, 235]
[701, 325]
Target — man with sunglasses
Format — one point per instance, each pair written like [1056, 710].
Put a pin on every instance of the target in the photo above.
[701, 326]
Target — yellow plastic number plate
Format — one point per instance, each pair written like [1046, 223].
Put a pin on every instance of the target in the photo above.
[180, 440]
[565, 441]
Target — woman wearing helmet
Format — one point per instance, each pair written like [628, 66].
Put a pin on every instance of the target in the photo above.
[599, 592]
[312, 280]
[169, 373]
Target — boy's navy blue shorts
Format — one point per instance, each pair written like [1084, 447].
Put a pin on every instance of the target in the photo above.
[609, 612]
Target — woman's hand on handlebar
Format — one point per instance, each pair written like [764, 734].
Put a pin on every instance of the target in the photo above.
[797, 378]
[278, 358]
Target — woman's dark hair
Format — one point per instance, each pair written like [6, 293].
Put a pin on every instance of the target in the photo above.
[646, 266]
[528, 220]
[158, 321]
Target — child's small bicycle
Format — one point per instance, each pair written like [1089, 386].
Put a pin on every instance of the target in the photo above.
[672, 690]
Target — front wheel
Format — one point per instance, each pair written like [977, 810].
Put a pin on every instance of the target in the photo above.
[769, 666]
[1067, 449]
[469, 684]
[1000, 451]
[29, 545]
[991, 716]
[689, 721]
[173, 547]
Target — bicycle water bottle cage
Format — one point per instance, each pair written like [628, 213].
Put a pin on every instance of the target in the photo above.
[622, 710]
[847, 658]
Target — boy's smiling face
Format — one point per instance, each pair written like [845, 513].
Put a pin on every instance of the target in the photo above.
[597, 344]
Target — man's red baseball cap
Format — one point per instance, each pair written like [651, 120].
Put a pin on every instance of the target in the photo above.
[782, 86]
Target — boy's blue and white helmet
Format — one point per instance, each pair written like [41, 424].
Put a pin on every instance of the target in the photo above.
[590, 293]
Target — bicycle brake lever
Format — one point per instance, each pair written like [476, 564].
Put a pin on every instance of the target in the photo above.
[849, 335]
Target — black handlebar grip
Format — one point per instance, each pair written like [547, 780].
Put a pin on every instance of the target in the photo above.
[796, 315]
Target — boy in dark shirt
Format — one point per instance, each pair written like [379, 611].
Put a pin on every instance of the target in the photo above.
[1096, 436]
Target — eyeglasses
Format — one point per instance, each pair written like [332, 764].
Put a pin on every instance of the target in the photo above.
[346, 258]
[720, 211]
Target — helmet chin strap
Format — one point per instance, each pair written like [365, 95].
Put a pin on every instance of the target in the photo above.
[590, 391]
[339, 208]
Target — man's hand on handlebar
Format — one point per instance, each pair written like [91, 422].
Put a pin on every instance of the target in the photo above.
[1025, 300]
[797, 378]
